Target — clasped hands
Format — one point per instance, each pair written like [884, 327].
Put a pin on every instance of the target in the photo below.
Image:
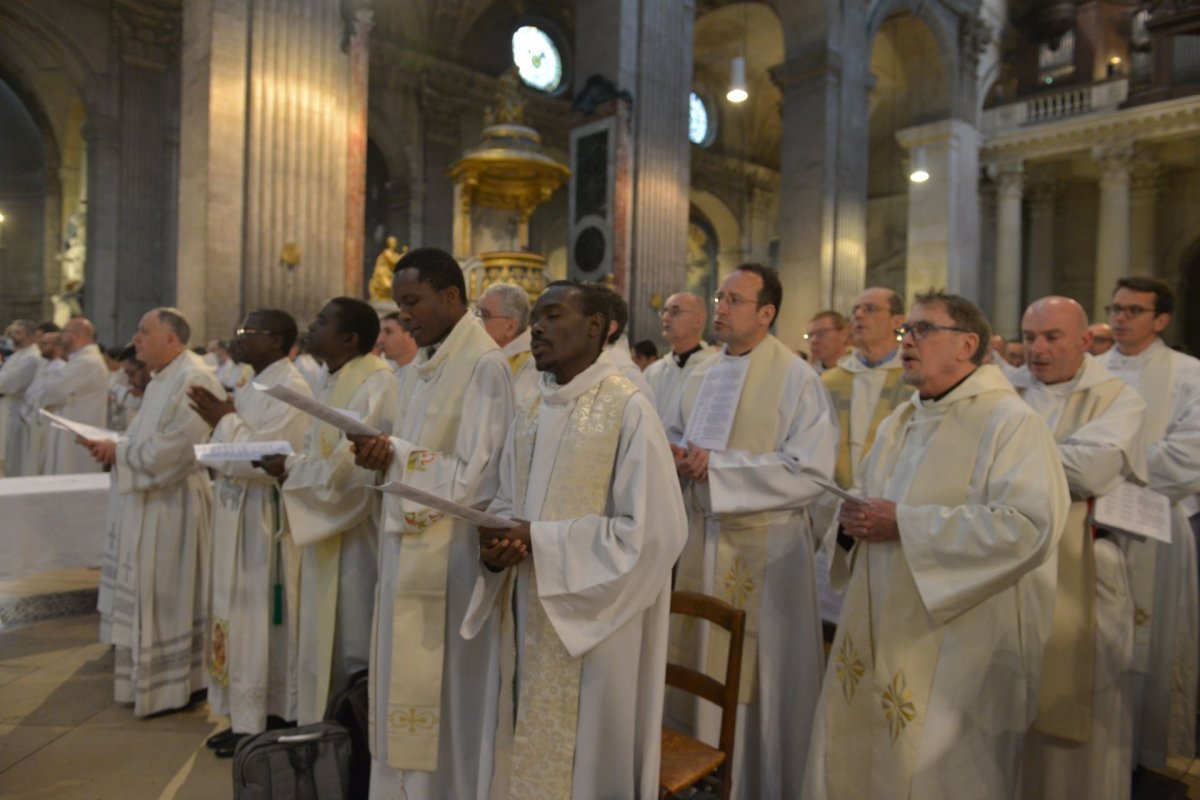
[500, 548]
[104, 452]
[872, 520]
[371, 452]
[691, 462]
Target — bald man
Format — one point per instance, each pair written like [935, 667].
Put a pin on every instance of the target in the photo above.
[1102, 338]
[79, 392]
[683, 319]
[1080, 744]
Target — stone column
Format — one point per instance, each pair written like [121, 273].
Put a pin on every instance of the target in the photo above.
[943, 212]
[1147, 180]
[644, 48]
[1006, 282]
[808, 186]
[1039, 281]
[268, 109]
[1112, 227]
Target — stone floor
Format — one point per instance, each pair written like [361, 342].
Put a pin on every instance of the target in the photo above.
[63, 737]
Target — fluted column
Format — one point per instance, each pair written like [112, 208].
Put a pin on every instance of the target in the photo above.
[1040, 276]
[1112, 227]
[1146, 182]
[267, 147]
[1006, 283]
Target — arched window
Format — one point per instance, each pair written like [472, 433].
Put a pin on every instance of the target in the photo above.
[701, 125]
[537, 58]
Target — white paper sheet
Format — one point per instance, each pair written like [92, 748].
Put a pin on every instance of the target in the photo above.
[80, 429]
[337, 417]
[450, 507]
[716, 404]
[1136, 510]
[241, 451]
[850, 497]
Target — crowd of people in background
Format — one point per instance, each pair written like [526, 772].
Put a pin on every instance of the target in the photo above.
[913, 493]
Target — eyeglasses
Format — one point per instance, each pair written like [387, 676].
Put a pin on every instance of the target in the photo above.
[488, 316]
[817, 334]
[675, 311]
[1134, 311]
[920, 329]
[732, 299]
[253, 332]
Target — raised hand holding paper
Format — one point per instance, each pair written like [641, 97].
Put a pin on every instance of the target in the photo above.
[339, 418]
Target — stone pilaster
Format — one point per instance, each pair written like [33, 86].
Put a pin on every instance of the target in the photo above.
[1039, 278]
[943, 212]
[1006, 282]
[1147, 181]
[1112, 227]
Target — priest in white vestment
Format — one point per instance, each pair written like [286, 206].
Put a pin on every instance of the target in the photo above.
[251, 646]
[137, 379]
[16, 374]
[586, 603]
[750, 540]
[828, 338]
[78, 392]
[158, 607]
[330, 508]
[433, 693]
[33, 431]
[1081, 744]
[934, 671]
[395, 344]
[504, 311]
[1163, 577]
[864, 387]
[683, 319]
[617, 346]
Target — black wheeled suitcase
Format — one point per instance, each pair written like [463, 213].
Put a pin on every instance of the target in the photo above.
[311, 762]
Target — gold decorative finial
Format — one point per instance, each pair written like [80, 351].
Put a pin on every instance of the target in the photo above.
[509, 108]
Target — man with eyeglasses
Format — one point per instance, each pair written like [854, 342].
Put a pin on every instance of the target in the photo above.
[1079, 743]
[750, 539]
[252, 619]
[683, 318]
[1163, 577]
[951, 580]
[828, 336]
[504, 311]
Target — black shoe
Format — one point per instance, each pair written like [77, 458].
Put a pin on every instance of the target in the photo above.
[227, 749]
[275, 723]
[219, 739]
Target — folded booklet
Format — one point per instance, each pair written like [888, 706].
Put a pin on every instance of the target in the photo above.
[241, 451]
[430, 500]
[339, 418]
[80, 429]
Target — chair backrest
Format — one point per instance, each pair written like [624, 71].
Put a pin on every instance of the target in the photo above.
[724, 695]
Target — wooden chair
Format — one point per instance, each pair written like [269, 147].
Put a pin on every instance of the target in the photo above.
[686, 761]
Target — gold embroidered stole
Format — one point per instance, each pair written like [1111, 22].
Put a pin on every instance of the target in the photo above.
[419, 606]
[515, 362]
[1065, 694]
[543, 737]
[885, 675]
[327, 552]
[741, 565]
[840, 384]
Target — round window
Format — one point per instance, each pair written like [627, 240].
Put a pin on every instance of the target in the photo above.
[537, 59]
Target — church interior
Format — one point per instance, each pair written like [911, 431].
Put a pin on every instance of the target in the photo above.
[225, 155]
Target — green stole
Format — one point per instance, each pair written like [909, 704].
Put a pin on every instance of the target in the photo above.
[885, 676]
[839, 383]
[741, 568]
[542, 744]
[1065, 694]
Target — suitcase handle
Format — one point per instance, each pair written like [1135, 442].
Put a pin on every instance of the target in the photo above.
[300, 738]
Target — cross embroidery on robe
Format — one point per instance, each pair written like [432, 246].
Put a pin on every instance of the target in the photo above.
[898, 705]
[850, 668]
[739, 583]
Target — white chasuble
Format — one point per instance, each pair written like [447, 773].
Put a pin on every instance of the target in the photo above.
[251, 647]
[330, 513]
[1081, 741]
[666, 378]
[586, 657]
[1163, 577]
[78, 392]
[16, 374]
[750, 543]
[935, 665]
[158, 608]
[433, 692]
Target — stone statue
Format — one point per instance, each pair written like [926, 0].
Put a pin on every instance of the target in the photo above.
[510, 106]
[385, 266]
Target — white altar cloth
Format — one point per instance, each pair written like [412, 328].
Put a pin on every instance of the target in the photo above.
[51, 522]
